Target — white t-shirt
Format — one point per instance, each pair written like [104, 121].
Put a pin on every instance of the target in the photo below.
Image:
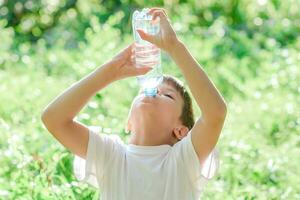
[133, 172]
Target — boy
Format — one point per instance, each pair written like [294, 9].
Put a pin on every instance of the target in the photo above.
[168, 156]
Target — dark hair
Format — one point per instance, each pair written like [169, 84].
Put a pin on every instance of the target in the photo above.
[187, 114]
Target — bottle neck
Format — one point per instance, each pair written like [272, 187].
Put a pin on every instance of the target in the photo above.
[150, 91]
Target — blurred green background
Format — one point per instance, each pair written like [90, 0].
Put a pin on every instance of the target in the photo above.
[249, 49]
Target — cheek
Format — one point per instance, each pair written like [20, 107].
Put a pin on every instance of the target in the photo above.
[169, 110]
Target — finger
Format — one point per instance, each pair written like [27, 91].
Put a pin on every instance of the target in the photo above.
[160, 14]
[156, 9]
[129, 49]
[132, 58]
[147, 37]
[133, 48]
[126, 52]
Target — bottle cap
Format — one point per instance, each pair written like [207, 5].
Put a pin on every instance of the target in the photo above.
[150, 91]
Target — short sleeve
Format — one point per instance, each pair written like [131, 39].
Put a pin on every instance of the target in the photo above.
[199, 174]
[101, 150]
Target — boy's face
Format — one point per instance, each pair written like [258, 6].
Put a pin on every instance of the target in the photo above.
[161, 111]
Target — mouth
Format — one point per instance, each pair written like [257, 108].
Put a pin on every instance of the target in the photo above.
[147, 99]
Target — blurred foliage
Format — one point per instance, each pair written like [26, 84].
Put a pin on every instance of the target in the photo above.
[68, 19]
[250, 50]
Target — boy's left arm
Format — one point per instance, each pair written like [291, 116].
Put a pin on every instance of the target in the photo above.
[207, 129]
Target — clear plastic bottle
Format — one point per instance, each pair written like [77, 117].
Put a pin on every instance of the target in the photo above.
[146, 53]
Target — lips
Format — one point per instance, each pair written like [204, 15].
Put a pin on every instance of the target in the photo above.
[147, 99]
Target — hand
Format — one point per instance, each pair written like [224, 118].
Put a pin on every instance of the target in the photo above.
[123, 64]
[166, 38]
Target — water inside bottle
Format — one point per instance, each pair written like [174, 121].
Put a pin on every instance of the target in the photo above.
[149, 55]
[146, 53]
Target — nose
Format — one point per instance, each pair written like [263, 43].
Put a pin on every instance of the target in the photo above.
[158, 92]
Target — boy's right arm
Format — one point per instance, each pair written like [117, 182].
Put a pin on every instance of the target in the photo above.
[58, 116]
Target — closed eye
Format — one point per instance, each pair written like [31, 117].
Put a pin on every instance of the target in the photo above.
[169, 96]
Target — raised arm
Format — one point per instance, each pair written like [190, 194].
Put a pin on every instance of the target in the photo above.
[207, 129]
[58, 116]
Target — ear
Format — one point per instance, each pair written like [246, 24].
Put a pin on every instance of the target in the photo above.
[180, 131]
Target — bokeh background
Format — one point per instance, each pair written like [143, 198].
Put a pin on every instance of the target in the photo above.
[249, 49]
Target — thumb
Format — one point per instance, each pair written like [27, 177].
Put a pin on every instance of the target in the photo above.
[147, 37]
